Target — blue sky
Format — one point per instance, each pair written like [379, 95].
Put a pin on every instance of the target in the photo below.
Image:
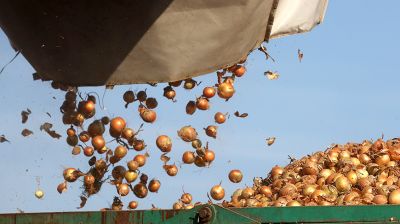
[345, 90]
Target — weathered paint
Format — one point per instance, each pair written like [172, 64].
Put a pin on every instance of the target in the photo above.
[312, 214]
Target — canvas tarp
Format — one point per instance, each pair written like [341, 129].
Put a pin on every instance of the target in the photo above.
[123, 41]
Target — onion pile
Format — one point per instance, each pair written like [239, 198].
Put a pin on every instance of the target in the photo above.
[352, 174]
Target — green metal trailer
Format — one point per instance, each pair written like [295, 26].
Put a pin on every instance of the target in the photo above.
[213, 214]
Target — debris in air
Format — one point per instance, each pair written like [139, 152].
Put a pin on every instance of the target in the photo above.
[83, 202]
[271, 75]
[26, 132]
[164, 158]
[3, 139]
[270, 141]
[263, 49]
[39, 194]
[47, 128]
[243, 115]
[299, 55]
[25, 115]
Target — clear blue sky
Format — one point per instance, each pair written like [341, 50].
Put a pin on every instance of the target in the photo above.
[346, 89]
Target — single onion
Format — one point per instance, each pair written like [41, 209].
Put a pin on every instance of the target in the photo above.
[130, 176]
[138, 145]
[84, 136]
[380, 199]
[288, 189]
[164, 143]
[308, 190]
[342, 184]
[189, 84]
[140, 190]
[120, 152]
[123, 189]
[140, 159]
[71, 131]
[219, 118]
[154, 185]
[325, 173]
[276, 171]
[169, 93]
[105, 120]
[88, 179]
[188, 157]
[102, 150]
[71, 174]
[355, 161]
[151, 103]
[117, 125]
[265, 190]
[235, 176]
[247, 193]
[133, 205]
[344, 154]
[361, 173]
[171, 170]
[352, 176]
[141, 96]
[217, 192]
[239, 70]
[202, 103]
[187, 133]
[364, 158]
[199, 161]
[394, 197]
[72, 140]
[310, 168]
[382, 160]
[147, 115]
[196, 144]
[177, 206]
[39, 194]
[186, 198]
[209, 156]
[191, 107]
[127, 133]
[225, 90]
[280, 202]
[86, 107]
[209, 92]
[118, 172]
[98, 142]
[78, 119]
[211, 131]
[129, 97]
[378, 145]
[317, 194]
[133, 165]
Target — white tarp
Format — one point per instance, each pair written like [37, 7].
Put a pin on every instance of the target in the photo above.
[120, 42]
[297, 16]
